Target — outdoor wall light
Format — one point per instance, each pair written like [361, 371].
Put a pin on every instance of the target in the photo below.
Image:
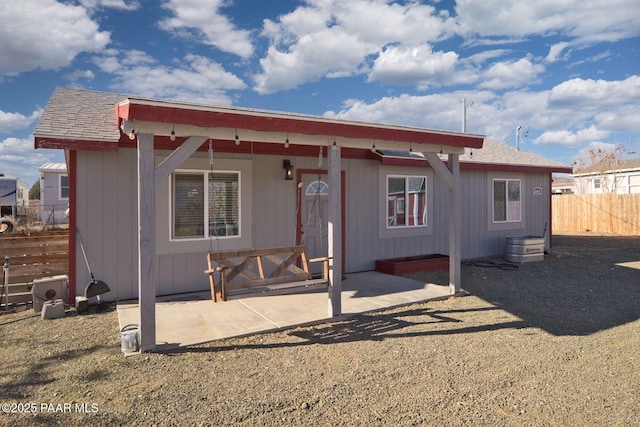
[288, 170]
[237, 138]
[172, 137]
[132, 134]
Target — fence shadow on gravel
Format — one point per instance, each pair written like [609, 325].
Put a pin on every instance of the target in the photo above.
[579, 289]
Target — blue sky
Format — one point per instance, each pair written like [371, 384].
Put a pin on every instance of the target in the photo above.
[566, 71]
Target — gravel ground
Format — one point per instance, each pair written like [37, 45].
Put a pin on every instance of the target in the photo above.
[553, 343]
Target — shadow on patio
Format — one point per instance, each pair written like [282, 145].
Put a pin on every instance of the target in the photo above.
[194, 319]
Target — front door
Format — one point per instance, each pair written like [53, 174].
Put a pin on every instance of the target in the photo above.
[314, 200]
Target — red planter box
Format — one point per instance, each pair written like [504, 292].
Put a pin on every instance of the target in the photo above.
[413, 264]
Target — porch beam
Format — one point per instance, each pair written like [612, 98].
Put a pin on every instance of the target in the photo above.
[146, 242]
[440, 168]
[455, 228]
[334, 240]
[178, 157]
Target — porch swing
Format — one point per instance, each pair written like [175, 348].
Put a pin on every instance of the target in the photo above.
[259, 272]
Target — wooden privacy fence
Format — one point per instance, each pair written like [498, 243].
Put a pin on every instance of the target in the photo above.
[600, 213]
[41, 254]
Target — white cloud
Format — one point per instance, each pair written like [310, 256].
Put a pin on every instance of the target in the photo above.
[511, 74]
[19, 160]
[80, 74]
[409, 65]
[45, 34]
[112, 4]
[194, 78]
[594, 95]
[622, 119]
[485, 55]
[11, 122]
[335, 37]
[574, 139]
[437, 111]
[203, 21]
[555, 51]
[584, 22]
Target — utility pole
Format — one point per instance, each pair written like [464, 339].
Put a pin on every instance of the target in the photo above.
[518, 137]
[464, 115]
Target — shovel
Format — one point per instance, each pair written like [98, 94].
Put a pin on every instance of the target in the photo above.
[95, 288]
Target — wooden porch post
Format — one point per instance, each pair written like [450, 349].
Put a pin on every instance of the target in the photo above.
[335, 230]
[146, 242]
[455, 229]
[451, 177]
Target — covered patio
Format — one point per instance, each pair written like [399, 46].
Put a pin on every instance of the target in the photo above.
[126, 162]
[190, 319]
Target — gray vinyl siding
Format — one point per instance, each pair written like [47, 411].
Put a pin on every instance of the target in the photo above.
[107, 218]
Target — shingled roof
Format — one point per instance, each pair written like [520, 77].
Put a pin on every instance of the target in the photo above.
[497, 153]
[85, 116]
[80, 115]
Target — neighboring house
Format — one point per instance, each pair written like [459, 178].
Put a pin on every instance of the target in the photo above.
[54, 192]
[149, 204]
[621, 177]
[562, 185]
[14, 197]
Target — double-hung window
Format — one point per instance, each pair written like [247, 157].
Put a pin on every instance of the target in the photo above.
[507, 204]
[406, 201]
[205, 204]
[64, 187]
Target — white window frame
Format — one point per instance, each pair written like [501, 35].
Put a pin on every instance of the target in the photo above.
[205, 180]
[400, 204]
[507, 220]
[60, 196]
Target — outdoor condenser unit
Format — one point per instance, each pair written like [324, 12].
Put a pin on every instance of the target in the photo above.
[49, 289]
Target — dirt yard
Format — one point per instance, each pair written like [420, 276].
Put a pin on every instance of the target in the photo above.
[552, 343]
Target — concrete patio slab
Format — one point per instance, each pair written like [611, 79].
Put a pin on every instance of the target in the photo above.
[194, 319]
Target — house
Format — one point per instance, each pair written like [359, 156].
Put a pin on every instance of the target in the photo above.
[155, 184]
[562, 185]
[54, 192]
[14, 197]
[621, 177]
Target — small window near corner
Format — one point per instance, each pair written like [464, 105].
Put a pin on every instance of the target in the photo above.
[64, 187]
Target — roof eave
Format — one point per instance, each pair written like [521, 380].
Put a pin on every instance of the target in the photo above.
[75, 144]
[266, 121]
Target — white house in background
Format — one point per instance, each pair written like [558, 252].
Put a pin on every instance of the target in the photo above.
[562, 185]
[54, 192]
[14, 197]
[619, 177]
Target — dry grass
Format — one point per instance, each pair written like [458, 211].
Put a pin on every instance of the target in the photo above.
[552, 343]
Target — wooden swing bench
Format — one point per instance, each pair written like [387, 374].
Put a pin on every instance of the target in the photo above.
[262, 272]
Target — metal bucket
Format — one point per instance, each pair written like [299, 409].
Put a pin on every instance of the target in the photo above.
[129, 342]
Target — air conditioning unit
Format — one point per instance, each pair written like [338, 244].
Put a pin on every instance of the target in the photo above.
[49, 289]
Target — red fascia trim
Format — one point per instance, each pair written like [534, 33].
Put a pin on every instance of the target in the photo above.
[69, 144]
[155, 113]
[512, 168]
